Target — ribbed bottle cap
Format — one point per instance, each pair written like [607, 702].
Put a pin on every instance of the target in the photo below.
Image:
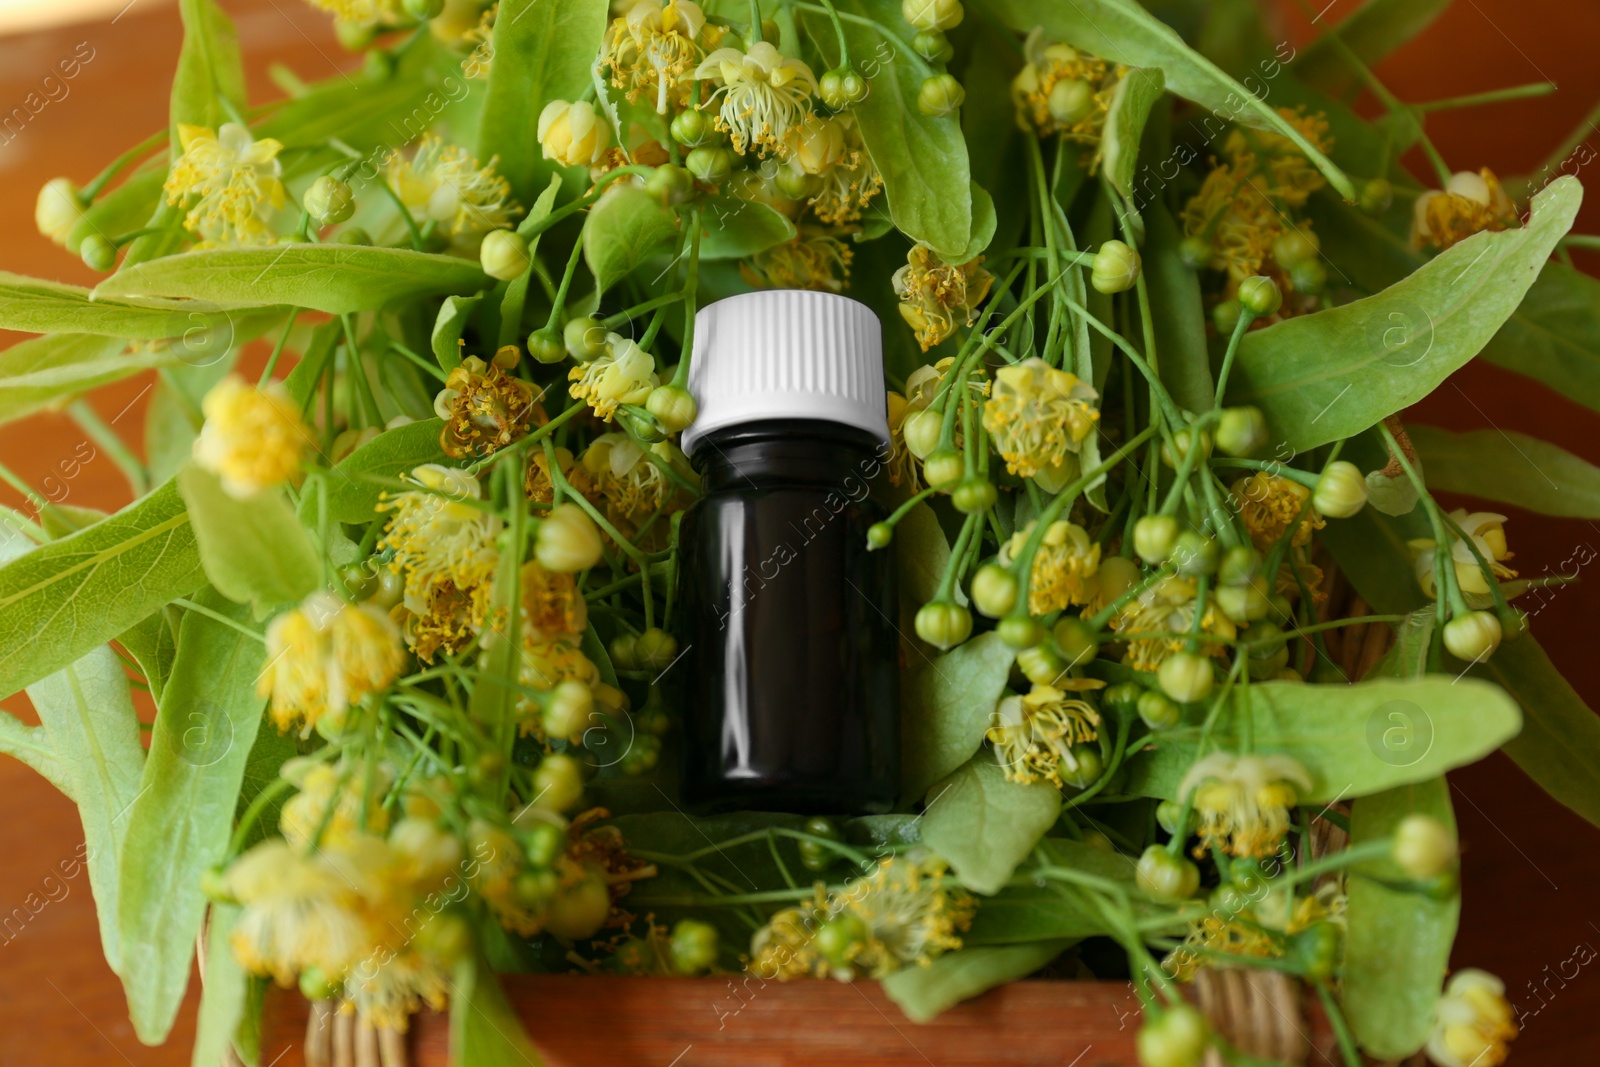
[787, 354]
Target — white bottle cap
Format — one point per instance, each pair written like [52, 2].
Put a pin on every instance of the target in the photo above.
[787, 354]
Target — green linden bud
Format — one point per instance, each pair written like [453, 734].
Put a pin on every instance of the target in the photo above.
[1265, 639]
[710, 165]
[1070, 101]
[566, 713]
[1115, 268]
[1173, 451]
[1225, 317]
[943, 469]
[974, 496]
[1115, 577]
[1077, 640]
[1341, 490]
[579, 910]
[624, 652]
[933, 46]
[1316, 949]
[1195, 554]
[694, 947]
[585, 338]
[504, 255]
[1242, 431]
[546, 346]
[830, 87]
[940, 95]
[1166, 878]
[1159, 711]
[1310, 277]
[879, 534]
[671, 184]
[1186, 677]
[854, 87]
[694, 128]
[1040, 665]
[567, 540]
[1260, 295]
[98, 253]
[1377, 196]
[672, 406]
[994, 590]
[1472, 636]
[1154, 537]
[655, 649]
[329, 200]
[355, 235]
[1269, 667]
[1020, 631]
[58, 209]
[932, 14]
[422, 10]
[1168, 812]
[1423, 846]
[557, 782]
[1175, 1038]
[943, 624]
[1242, 604]
[1195, 251]
[837, 938]
[921, 432]
[1239, 566]
[1090, 765]
[355, 36]
[1294, 247]
[1122, 698]
[796, 184]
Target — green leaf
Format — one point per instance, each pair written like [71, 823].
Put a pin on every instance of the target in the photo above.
[924, 992]
[1559, 746]
[153, 642]
[484, 1030]
[210, 70]
[1408, 655]
[1397, 943]
[66, 597]
[254, 551]
[87, 711]
[179, 825]
[448, 327]
[923, 159]
[225, 991]
[335, 278]
[1509, 468]
[624, 228]
[542, 52]
[1330, 375]
[1177, 311]
[45, 370]
[735, 228]
[1353, 739]
[945, 706]
[31, 745]
[985, 825]
[1372, 32]
[984, 221]
[352, 497]
[1123, 32]
[35, 306]
[1554, 337]
[1126, 116]
[920, 553]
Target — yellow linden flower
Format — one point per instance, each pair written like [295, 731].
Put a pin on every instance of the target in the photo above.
[252, 439]
[551, 605]
[831, 149]
[652, 48]
[484, 408]
[632, 481]
[444, 184]
[331, 801]
[763, 95]
[1039, 417]
[450, 617]
[1278, 168]
[623, 374]
[1239, 221]
[1063, 91]
[1033, 735]
[1269, 503]
[386, 989]
[1470, 203]
[539, 486]
[573, 134]
[325, 655]
[1243, 802]
[1167, 607]
[1063, 567]
[813, 259]
[935, 296]
[1473, 1022]
[437, 536]
[362, 12]
[499, 859]
[231, 182]
[1218, 933]
[1488, 533]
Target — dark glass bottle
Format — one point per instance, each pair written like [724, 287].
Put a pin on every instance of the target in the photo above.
[791, 646]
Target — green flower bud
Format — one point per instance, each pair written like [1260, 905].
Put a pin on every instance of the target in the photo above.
[655, 649]
[672, 406]
[1316, 950]
[1041, 665]
[933, 46]
[940, 95]
[557, 782]
[943, 469]
[1154, 537]
[546, 346]
[329, 200]
[932, 14]
[355, 36]
[830, 87]
[98, 253]
[1122, 699]
[1423, 846]
[693, 948]
[58, 209]
[1195, 251]
[567, 540]
[709, 164]
[1295, 246]
[1070, 101]
[1225, 317]
[1116, 576]
[921, 432]
[854, 87]
[1173, 451]
[566, 712]
[579, 910]
[1195, 554]
[796, 184]
[879, 534]
[994, 590]
[1164, 877]
[973, 496]
[624, 652]
[1310, 277]
[1473, 636]
[671, 184]
[694, 129]
[1168, 812]
[1175, 1038]
[1262, 668]
[1260, 295]
[1240, 565]
[423, 10]
[1159, 711]
[837, 938]
[1377, 196]
[585, 338]
[1090, 765]
[1077, 640]
[354, 235]
[1020, 631]
[1186, 677]
[943, 624]
[1341, 490]
[1242, 431]
[1242, 604]
[1115, 268]
[504, 255]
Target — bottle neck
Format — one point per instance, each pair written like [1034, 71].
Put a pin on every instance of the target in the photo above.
[788, 451]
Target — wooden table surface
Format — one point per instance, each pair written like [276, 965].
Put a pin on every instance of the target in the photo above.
[1528, 867]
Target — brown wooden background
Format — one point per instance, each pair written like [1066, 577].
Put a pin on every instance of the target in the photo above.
[1529, 865]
